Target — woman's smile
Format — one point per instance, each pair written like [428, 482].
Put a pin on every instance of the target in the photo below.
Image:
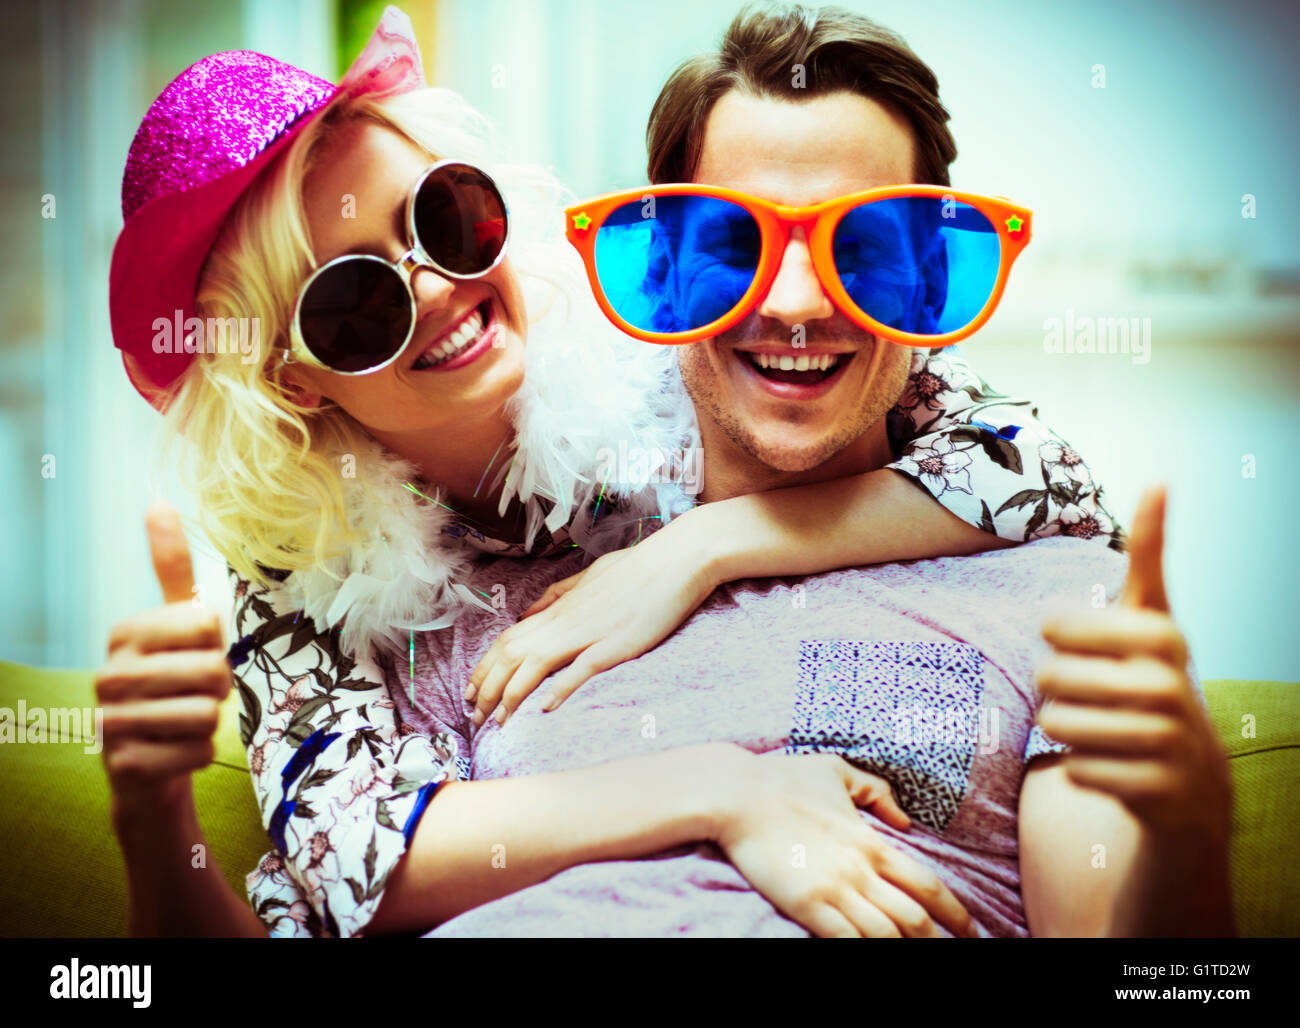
[464, 341]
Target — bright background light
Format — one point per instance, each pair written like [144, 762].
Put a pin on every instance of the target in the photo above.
[1137, 187]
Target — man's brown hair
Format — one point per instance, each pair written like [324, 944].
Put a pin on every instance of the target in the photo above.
[792, 52]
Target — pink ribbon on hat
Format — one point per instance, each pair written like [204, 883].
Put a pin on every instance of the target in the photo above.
[390, 62]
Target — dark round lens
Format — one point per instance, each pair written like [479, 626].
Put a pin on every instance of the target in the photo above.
[356, 314]
[460, 219]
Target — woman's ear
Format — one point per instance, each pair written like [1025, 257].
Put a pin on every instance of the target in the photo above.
[299, 389]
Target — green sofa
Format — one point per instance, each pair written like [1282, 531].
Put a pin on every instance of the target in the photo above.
[61, 872]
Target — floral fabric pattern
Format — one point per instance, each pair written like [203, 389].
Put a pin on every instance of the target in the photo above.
[342, 781]
[986, 457]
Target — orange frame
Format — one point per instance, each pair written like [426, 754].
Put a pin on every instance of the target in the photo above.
[1013, 223]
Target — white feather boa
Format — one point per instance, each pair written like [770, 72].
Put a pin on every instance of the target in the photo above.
[587, 387]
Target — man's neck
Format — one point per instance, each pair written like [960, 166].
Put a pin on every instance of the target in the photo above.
[730, 471]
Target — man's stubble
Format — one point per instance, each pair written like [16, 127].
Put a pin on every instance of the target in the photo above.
[888, 384]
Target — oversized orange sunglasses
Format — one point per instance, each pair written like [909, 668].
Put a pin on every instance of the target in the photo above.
[917, 265]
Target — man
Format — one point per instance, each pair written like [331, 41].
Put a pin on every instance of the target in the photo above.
[1115, 835]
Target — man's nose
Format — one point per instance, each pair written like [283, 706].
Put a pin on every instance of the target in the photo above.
[796, 295]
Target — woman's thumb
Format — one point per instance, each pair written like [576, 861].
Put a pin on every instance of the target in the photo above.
[170, 552]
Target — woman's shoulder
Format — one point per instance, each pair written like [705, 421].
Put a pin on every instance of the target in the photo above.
[264, 618]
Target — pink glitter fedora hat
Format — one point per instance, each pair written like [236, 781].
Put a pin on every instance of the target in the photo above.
[200, 145]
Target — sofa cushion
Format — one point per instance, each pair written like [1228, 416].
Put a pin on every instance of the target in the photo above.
[62, 870]
[1259, 723]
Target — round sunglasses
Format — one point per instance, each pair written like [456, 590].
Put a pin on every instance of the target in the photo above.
[917, 265]
[356, 314]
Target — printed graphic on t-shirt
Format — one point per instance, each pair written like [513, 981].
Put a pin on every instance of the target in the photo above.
[907, 711]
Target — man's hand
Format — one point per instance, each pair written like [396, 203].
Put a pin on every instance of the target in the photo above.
[797, 836]
[1119, 696]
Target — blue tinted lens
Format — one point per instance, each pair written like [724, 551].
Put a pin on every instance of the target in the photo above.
[676, 263]
[917, 263]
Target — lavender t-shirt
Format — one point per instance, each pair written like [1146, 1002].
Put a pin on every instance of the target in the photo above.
[920, 672]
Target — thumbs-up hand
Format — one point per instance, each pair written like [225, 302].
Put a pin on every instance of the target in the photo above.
[1120, 698]
[162, 685]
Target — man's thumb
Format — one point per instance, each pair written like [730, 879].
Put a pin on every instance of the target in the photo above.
[170, 552]
[1145, 586]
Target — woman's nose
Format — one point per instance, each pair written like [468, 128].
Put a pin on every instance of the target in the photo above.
[430, 288]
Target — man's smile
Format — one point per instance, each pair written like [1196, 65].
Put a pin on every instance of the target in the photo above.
[792, 373]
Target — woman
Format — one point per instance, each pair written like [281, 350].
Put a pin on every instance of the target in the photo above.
[399, 426]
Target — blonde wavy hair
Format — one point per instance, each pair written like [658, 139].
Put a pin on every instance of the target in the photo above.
[264, 470]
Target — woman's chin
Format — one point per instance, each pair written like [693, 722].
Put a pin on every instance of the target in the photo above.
[417, 400]
[500, 375]
[506, 371]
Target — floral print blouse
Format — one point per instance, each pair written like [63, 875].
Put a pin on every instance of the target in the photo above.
[342, 781]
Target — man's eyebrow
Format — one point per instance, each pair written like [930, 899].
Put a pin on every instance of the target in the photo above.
[716, 220]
